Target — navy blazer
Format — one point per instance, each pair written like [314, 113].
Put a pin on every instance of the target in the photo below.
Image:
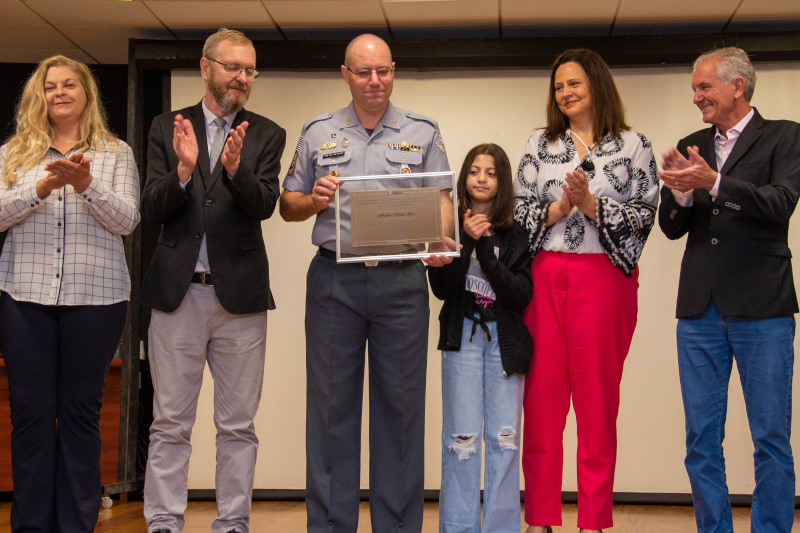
[737, 250]
[229, 211]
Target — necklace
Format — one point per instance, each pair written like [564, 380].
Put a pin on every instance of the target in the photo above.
[586, 162]
[588, 148]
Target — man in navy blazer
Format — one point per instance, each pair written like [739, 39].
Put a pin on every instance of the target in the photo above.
[212, 177]
[733, 188]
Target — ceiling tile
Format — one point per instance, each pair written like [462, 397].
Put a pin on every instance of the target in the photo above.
[339, 33]
[444, 12]
[110, 57]
[15, 13]
[111, 38]
[201, 33]
[28, 55]
[211, 13]
[94, 13]
[308, 13]
[555, 29]
[676, 10]
[538, 11]
[768, 9]
[460, 31]
[45, 38]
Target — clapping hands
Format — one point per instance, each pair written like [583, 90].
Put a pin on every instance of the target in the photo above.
[72, 170]
[577, 192]
[231, 154]
[683, 175]
[477, 226]
[184, 142]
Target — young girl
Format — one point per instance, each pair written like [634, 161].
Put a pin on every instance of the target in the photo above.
[485, 349]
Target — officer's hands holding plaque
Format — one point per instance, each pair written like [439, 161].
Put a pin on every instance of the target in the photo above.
[324, 190]
[447, 245]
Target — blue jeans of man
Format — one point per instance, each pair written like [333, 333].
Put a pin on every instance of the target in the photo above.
[477, 396]
[764, 353]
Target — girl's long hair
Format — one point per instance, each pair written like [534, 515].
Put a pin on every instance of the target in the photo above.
[607, 109]
[34, 131]
[501, 214]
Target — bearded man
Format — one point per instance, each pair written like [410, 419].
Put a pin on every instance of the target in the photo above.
[212, 177]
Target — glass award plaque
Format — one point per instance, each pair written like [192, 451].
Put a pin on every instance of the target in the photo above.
[394, 217]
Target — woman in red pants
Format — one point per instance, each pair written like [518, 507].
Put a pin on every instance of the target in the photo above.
[587, 193]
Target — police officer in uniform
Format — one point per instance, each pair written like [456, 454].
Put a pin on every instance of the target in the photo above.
[348, 305]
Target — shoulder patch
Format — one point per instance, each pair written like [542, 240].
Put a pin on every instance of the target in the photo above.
[323, 116]
[423, 118]
[438, 141]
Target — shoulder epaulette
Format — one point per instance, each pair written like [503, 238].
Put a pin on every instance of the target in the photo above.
[323, 116]
[417, 116]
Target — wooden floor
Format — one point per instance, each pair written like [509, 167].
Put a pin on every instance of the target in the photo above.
[290, 517]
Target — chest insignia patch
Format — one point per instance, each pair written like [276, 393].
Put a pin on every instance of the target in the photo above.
[327, 146]
[345, 142]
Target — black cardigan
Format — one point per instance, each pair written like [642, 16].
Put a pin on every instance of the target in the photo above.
[510, 278]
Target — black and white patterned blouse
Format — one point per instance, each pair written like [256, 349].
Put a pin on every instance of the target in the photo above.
[66, 249]
[624, 181]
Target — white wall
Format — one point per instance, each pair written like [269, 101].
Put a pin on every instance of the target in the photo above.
[502, 107]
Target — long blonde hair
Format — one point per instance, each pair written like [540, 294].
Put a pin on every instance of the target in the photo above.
[34, 132]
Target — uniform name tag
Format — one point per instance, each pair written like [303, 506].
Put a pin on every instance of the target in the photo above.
[335, 154]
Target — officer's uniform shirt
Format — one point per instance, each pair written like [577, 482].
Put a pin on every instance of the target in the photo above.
[359, 154]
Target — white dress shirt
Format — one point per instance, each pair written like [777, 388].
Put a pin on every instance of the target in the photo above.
[211, 132]
[723, 146]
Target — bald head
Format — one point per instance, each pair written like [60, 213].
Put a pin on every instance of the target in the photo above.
[366, 44]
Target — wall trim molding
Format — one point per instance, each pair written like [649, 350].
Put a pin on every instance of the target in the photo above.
[620, 498]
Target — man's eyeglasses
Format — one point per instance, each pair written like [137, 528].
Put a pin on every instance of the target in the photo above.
[236, 68]
[366, 73]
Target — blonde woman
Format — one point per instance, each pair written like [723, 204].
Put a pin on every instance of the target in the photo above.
[68, 193]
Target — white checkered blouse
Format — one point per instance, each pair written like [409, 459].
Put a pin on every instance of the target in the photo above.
[66, 249]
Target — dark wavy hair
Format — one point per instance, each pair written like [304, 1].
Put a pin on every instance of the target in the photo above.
[501, 215]
[607, 109]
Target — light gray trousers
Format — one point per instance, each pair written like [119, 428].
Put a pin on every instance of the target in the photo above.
[181, 342]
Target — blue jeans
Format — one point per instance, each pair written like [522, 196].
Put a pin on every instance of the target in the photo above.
[764, 353]
[475, 396]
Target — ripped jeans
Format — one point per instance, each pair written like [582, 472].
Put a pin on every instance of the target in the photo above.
[475, 396]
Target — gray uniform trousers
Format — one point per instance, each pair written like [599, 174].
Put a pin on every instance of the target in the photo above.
[348, 306]
[180, 343]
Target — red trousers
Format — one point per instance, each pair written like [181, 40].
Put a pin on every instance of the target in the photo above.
[582, 318]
